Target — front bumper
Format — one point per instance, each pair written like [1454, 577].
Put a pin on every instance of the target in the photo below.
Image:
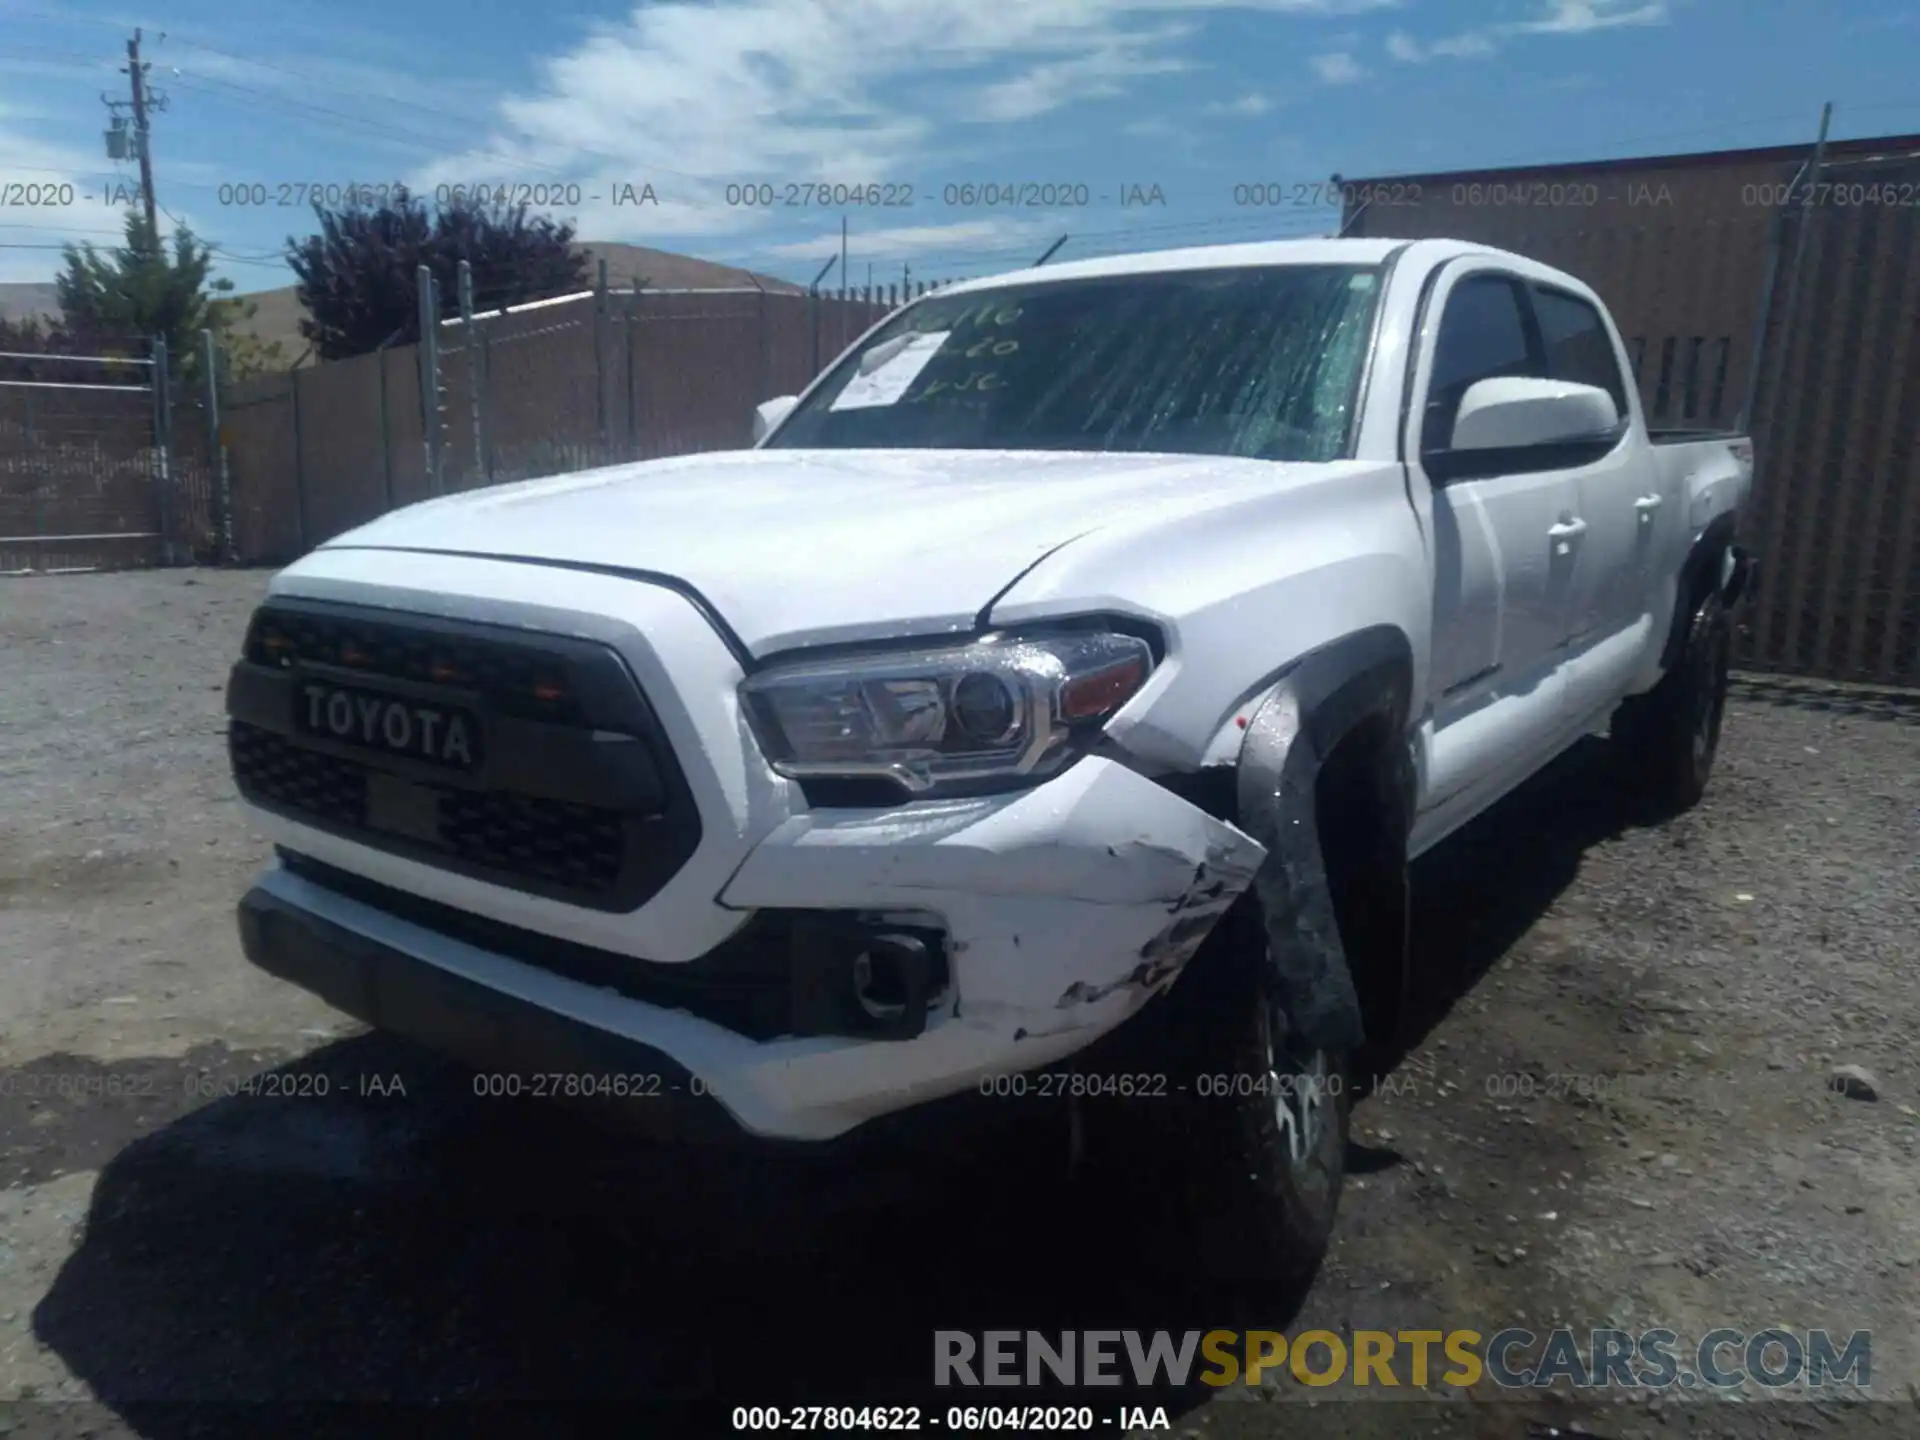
[1065, 909]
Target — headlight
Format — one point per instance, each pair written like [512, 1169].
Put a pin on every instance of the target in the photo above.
[1002, 711]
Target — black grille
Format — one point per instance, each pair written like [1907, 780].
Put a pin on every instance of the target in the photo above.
[265, 765]
[572, 844]
[578, 796]
[516, 679]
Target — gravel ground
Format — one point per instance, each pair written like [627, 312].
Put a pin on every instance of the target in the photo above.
[1617, 1112]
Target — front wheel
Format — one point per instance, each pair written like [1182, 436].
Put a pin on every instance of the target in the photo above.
[1273, 1160]
[1257, 1135]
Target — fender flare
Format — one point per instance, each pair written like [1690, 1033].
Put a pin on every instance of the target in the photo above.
[1364, 677]
[1713, 562]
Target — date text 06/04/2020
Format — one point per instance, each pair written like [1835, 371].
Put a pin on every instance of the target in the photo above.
[963, 1419]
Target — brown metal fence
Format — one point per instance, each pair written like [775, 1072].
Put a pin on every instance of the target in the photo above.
[556, 386]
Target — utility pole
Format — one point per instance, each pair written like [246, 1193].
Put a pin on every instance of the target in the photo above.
[142, 135]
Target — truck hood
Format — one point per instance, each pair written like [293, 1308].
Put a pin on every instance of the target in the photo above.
[805, 547]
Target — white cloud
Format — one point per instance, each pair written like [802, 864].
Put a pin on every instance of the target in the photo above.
[1056, 83]
[1338, 68]
[30, 235]
[1245, 106]
[1402, 46]
[693, 95]
[1575, 17]
[1557, 17]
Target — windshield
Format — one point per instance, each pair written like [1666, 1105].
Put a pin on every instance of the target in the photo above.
[1261, 363]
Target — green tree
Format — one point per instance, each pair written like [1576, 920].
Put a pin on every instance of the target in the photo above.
[247, 354]
[359, 276]
[32, 336]
[141, 289]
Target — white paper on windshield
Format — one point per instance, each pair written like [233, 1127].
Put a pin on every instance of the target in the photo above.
[888, 381]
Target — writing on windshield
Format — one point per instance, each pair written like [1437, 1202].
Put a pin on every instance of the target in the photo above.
[1261, 362]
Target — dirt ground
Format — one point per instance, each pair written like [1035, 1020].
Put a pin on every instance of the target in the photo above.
[1617, 1112]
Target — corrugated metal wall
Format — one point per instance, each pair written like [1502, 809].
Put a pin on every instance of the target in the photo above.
[1838, 502]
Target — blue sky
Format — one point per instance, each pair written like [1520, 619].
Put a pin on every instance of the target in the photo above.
[1192, 97]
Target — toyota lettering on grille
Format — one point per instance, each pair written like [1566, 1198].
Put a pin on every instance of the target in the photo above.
[418, 730]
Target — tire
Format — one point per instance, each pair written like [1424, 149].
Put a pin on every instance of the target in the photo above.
[1257, 1133]
[1671, 735]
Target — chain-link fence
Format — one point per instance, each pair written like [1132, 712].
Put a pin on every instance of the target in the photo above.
[79, 458]
[96, 469]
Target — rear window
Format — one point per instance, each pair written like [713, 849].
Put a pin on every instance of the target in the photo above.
[1577, 343]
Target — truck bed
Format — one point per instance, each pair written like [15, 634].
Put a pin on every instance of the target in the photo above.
[1682, 436]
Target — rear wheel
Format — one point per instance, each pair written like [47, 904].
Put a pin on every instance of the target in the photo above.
[1671, 735]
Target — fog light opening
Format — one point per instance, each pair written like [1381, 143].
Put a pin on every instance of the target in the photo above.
[885, 975]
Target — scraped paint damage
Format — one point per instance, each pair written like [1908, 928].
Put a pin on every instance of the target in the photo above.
[1215, 883]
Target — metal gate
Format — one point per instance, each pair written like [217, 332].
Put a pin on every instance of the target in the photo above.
[84, 468]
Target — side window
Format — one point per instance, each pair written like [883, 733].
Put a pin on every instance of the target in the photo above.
[1577, 344]
[1483, 335]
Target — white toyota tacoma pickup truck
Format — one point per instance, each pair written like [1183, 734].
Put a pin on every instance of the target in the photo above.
[1085, 654]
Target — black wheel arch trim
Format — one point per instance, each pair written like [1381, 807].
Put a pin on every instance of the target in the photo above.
[1699, 575]
[1364, 678]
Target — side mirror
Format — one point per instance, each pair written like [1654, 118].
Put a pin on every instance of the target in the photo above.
[769, 413]
[1518, 412]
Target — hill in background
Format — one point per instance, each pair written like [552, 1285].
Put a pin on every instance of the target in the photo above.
[27, 298]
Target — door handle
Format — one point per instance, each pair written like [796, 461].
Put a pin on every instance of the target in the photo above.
[1646, 505]
[1565, 533]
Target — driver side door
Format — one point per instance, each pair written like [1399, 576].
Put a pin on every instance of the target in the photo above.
[1504, 546]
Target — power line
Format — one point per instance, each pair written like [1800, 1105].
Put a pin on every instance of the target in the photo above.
[432, 144]
[57, 229]
[435, 111]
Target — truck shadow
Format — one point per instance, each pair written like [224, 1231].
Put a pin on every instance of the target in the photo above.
[399, 1238]
[265, 1253]
[1476, 894]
